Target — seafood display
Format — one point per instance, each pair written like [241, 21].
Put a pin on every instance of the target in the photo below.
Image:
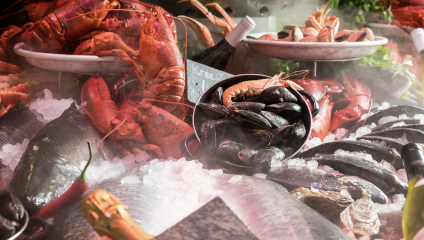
[291, 156]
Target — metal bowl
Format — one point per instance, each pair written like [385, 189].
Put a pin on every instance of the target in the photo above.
[199, 119]
[23, 223]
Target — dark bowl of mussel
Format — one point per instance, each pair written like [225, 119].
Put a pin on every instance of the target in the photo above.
[252, 131]
[13, 217]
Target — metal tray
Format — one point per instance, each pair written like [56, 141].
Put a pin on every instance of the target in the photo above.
[72, 63]
[315, 51]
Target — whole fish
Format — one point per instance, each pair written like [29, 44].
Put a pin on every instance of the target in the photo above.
[388, 181]
[412, 135]
[390, 124]
[52, 159]
[412, 126]
[265, 207]
[377, 151]
[389, 142]
[383, 82]
[375, 116]
[297, 177]
[17, 124]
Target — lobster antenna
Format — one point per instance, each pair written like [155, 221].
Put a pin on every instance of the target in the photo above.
[185, 30]
[175, 103]
[12, 5]
[297, 73]
[11, 14]
[107, 135]
[102, 10]
[142, 3]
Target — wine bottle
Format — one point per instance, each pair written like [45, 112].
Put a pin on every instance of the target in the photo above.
[218, 55]
[418, 39]
[413, 211]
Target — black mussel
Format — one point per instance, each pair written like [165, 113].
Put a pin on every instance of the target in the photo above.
[248, 106]
[276, 120]
[277, 94]
[252, 138]
[10, 207]
[246, 155]
[228, 151]
[214, 131]
[217, 96]
[253, 99]
[287, 110]
[299, 130]
[213, 110]
[264, 157]
[251, 120]
[7, 228]
[282, 135]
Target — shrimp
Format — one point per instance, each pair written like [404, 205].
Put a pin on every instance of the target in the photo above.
[252, 88]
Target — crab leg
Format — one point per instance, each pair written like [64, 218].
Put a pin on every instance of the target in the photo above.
[202, 32]
[214, 19]
[7, 97]
[223, 13]
[6, 67]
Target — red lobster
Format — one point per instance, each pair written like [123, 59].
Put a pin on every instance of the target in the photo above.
[358, 95]
[163, 77]
[408, 12]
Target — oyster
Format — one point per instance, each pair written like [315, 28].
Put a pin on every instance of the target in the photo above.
[361, 217]
[328, 203]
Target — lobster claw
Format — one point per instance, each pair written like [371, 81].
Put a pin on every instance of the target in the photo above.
[358, 95]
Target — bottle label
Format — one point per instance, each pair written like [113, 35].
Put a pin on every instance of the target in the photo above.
[419, 235]
[419, 183]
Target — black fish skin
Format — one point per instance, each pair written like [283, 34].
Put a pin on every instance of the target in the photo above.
[410, 111]
[377, 151]
[52, 159]
[390, 142]
[292, 178]
[383, 82]
[412, 135]
[375, 193]
[17, 124]
[389, 182]
[412, 126]
[389, 124]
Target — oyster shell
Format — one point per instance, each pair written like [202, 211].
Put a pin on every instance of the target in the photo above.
[361, 217]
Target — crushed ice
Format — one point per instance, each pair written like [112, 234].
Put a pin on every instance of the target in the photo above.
[398, 200]
[10, 156]
[48, 107]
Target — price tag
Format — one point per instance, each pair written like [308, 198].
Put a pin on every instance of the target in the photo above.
[200, 77]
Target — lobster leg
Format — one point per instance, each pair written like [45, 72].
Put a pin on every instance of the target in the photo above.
[212, 18]
[223, 13]
[102, 42]
[201, 31]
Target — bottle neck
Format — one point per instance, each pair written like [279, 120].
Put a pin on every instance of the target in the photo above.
[413, 160]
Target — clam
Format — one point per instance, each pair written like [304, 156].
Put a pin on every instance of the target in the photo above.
[361, 217]
[343, 35]
[358, 36]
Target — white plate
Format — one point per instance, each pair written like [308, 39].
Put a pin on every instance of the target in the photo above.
[315, 51]
[72, 63]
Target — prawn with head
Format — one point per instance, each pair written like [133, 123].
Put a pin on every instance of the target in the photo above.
[252, 88]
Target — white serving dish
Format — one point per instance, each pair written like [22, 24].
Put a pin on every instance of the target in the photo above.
[315, 51]
[72, 63]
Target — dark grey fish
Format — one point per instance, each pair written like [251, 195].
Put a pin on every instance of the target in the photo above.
[389, 142]
[376, 194]
[388, 181]
[292, 177]
[17, 124]
[52, 159]
[390, 124]
[412, 135]
[265, 207]
[375, 116]
[377, 151]
[383, 82]
[412, 126]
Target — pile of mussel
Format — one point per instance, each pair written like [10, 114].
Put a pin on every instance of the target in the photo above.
[12, 215]
[247, 136]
